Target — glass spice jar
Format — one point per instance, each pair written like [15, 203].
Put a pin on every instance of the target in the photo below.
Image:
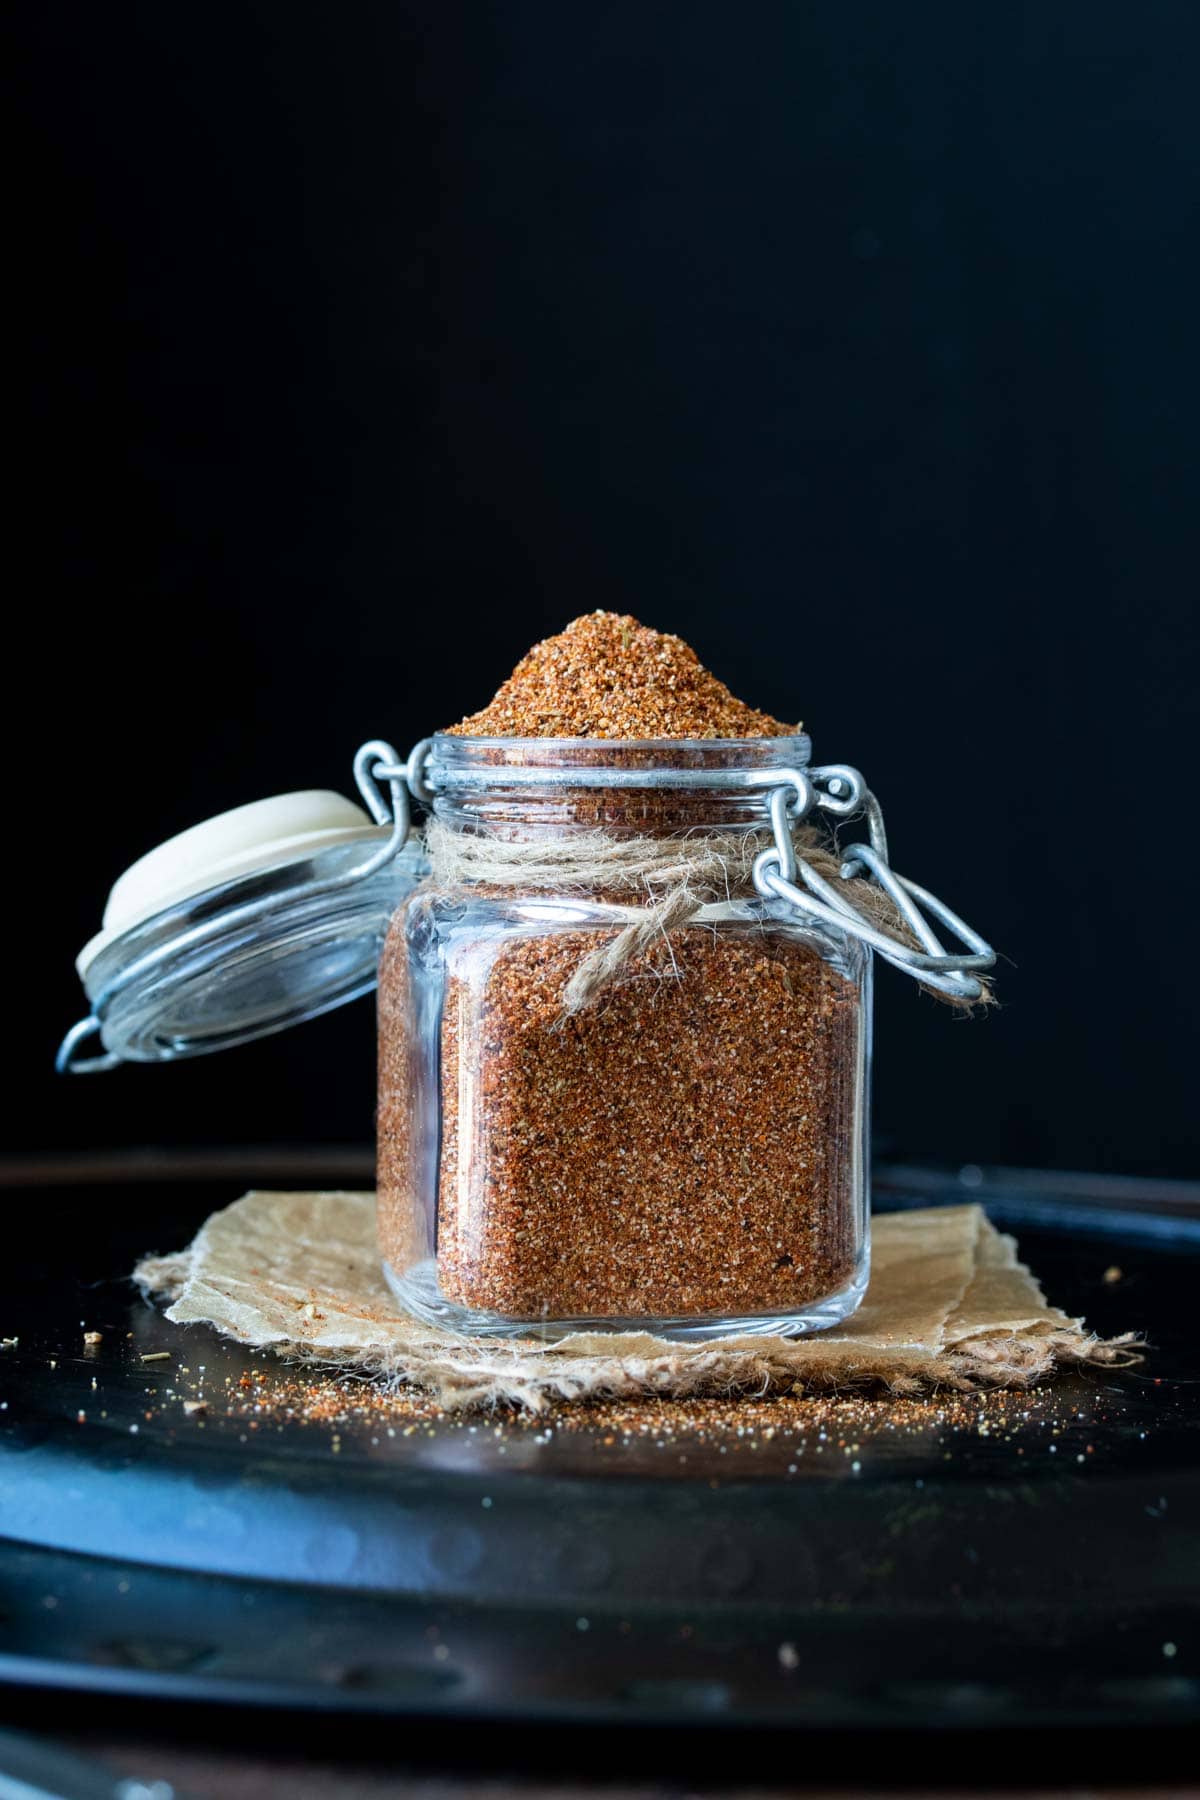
[685, 1153]
[624, 1014]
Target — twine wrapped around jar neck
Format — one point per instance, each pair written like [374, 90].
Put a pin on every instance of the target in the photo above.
[672, 878]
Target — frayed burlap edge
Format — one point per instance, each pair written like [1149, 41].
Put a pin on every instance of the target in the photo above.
[463, 1373]
[1018, 1361]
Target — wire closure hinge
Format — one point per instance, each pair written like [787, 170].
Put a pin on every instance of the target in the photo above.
[842, 791]
[66, 1063]
[377, 761]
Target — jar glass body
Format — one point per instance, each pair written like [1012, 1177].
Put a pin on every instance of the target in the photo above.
[686, 1155]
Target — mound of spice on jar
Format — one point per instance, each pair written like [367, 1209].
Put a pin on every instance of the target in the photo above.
[617, 1086]
[606, 676]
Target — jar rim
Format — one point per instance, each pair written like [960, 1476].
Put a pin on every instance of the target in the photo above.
[797, 745]
[457, 763]
[541, 783]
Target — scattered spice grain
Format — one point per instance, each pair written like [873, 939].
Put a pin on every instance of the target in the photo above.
[782, 1433]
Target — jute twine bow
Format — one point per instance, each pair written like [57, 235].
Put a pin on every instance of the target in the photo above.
[672, 876]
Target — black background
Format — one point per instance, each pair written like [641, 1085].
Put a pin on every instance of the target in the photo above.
[360, 346]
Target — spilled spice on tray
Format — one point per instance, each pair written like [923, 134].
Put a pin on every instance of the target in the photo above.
[606, 676]
[788, 1434]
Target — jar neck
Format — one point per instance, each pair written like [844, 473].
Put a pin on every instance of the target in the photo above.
[546, 787]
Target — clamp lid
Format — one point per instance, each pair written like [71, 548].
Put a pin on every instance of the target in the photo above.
[246, 924]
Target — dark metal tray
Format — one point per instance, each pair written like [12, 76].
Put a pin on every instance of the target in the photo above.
[1012, 1563]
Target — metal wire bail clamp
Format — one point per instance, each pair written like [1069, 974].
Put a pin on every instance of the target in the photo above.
[842, 791]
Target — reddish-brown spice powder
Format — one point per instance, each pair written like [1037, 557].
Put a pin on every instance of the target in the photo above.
[607, 676]
[682, 1147]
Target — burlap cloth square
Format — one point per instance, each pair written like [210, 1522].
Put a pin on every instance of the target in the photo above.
[949, 1304]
